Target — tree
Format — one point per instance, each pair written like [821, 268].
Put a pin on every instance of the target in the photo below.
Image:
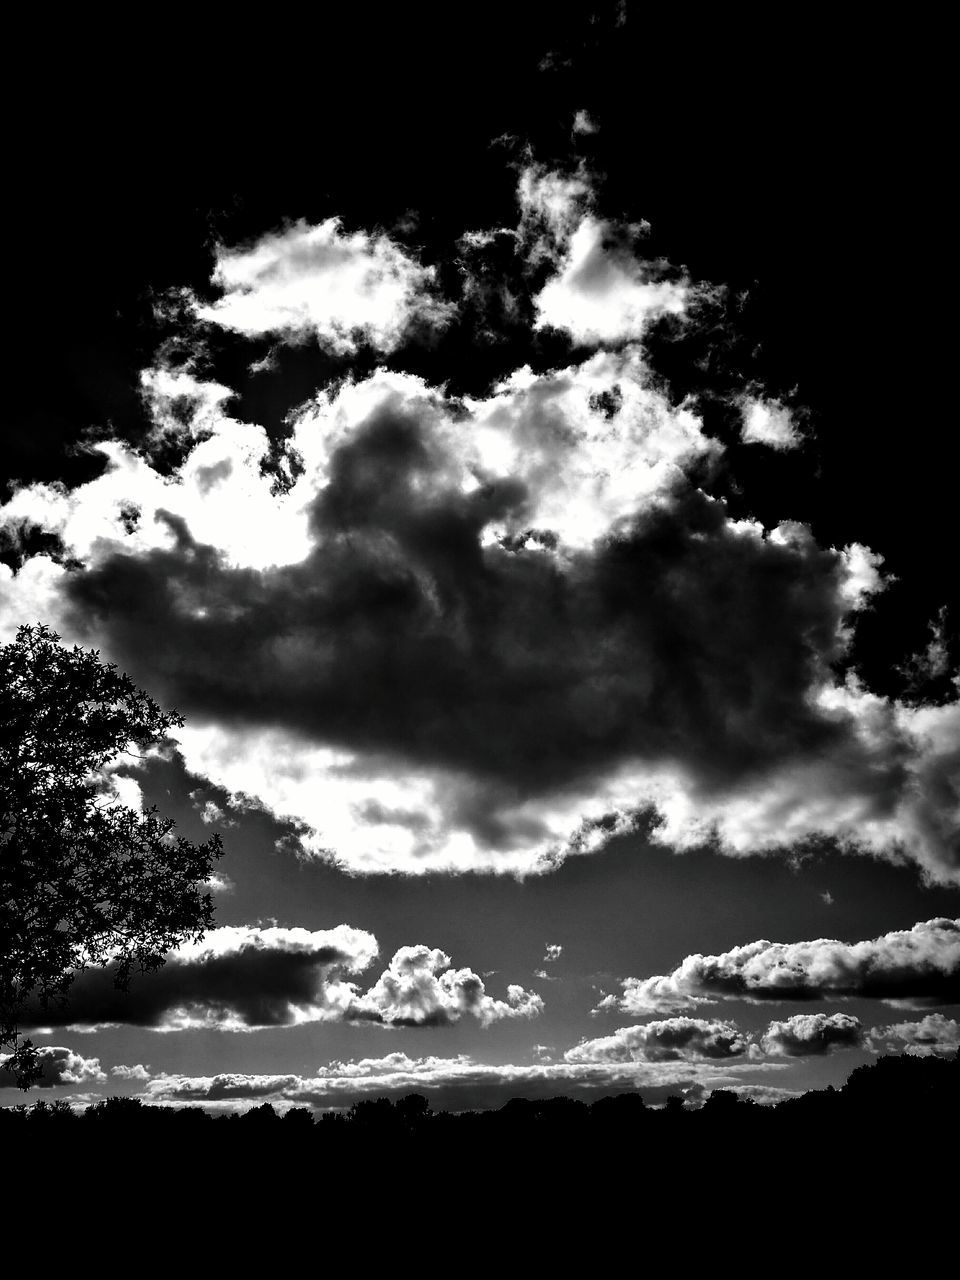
[84, 879]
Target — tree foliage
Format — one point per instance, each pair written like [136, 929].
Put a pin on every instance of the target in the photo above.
[84, 878]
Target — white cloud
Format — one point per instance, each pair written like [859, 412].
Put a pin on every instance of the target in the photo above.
[553, 952]
[583, 472]
[136, 1072]
[182, 406]
[769, 422]
[552, 204]
[217, 882]
[812, 1035]
[908, 967]
[323, 282]
[891, 790]
[602, 293]
[934, 1034]
[450, 1083]
[669, 1040]
[420, 988]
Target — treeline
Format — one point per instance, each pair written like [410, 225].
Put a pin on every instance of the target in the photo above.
[893, 1096]
[858, 1177]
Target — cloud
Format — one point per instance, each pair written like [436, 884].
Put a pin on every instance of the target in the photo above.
[244, 977]
[58, 1066]
[932, 663]
[136, 1072]
[602, 293]
[812, 1035]
[600, 290]
[553, 952]
[582, 123]
[217, 882]
[768, 422]
[237, 978]
[766, 1095]
[670, 1040]
[909, 968]
[484, 634]
[420, 989]
[452, 1084]
[933, 1034]
[319, 281]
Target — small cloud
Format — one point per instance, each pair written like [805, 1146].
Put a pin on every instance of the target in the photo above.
[553, 952]
[931, 663]
[136, 1072]
[812, 1035]
[669, 1040]
[583, 124]
[211, 812]
[827, 898]
[217, 882]
[768, 422]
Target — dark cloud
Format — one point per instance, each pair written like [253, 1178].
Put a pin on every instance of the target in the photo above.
[678, 640]
[812, 1035]
[240, 978]
[58, 1065]
[908, 967]
[527, 601]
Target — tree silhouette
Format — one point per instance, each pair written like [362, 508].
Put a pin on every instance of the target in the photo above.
[84, 879]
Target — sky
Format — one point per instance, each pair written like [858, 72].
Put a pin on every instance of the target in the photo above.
[537, 509]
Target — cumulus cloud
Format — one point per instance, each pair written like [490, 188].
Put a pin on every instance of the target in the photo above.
[909, 967]
[244, 977]
[323, 282]
[136, 1072]
[812, 1035]
[933, 1034]
[58, 1065]
[669, 1040]
[553, 952]
[768, 422]
[420, 989]
[601, 291]
[488, 633]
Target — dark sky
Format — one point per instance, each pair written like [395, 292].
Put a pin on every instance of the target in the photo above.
[525, 467]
